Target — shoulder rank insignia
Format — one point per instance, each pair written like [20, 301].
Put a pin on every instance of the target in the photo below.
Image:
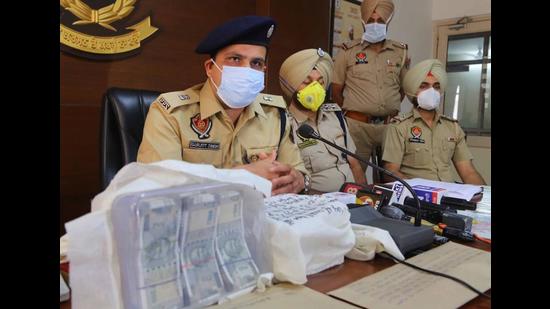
[407, 62]
[330, 107]
[349, 44]
[399, 118]
[164, 103]
[201, 126]
[449, 118]
[184, 97]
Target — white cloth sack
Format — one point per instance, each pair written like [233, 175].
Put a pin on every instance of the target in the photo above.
[95, 275]
[308, 234]
[370, 240]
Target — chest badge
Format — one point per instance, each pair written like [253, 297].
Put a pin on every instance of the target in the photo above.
[361, 58]
[416, 133]
[201, 127]
[306, 142]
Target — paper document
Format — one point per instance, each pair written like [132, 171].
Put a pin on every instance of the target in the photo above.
[453, 189]
[481, 224]
[284, 295]
[401, 286]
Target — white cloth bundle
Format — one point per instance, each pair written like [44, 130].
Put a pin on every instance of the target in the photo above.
[308, 234]
[95, 276]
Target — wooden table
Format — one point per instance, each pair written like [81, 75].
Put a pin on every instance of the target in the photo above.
[350, 271]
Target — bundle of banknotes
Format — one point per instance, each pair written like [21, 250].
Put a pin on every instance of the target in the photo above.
[192, 249]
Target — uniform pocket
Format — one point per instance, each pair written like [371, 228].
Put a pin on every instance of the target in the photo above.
[417, 155]
[447, 150]
[364, 71]
[209, 154]
[392, 75]
[252, 154]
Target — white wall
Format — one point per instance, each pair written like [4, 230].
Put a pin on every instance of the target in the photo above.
[443, 9]
[412, 24]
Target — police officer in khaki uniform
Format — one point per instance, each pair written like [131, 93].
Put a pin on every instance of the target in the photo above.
[226, 121]
[367, 78]
[423, 142]
[304, 77]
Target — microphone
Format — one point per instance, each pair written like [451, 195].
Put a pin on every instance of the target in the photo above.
[308, 132]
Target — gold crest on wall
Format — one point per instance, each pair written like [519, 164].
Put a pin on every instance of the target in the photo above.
[100, 29]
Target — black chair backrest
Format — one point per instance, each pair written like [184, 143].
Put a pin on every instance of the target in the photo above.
[123, 117]
[376, 158]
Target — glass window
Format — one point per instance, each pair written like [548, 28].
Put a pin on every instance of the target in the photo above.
[468, 92]
[465, 49]
[462, 96]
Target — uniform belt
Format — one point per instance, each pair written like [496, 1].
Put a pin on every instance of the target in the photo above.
[368, 118]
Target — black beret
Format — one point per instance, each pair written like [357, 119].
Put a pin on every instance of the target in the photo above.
[254, 30]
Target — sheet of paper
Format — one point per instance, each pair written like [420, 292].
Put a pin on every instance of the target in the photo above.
[481, 224]
[453, 189]
[401, 286]
[284, 295]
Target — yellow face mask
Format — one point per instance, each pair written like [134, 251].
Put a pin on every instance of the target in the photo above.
[312, 96]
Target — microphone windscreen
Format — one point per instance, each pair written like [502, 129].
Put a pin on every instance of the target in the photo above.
[350, 187]
[306, 131]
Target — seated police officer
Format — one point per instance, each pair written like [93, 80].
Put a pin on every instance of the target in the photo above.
[304, 77]
[226, 121]
[423, 142]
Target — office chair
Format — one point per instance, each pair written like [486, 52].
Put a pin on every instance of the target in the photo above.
[376, 158]
[122, 120]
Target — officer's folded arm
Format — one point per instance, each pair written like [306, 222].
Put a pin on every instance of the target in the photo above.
[284, 178]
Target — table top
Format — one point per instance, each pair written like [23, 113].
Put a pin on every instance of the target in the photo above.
[351, 270]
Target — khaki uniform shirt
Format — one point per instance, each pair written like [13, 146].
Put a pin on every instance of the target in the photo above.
[371, 80]
[422, 151]
[328, 167]
[192, 125]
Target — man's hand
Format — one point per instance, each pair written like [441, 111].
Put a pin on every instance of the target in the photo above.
[262, 166]
[284, 178]
[289, 181]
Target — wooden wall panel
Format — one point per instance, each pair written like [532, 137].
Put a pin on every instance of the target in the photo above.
[167, 62]
[302, 24]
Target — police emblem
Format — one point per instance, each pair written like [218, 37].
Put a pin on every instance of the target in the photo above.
[90, 33]
[416, 132]
[201, 126]
[270, 31]
[320, 52]
[360, 58]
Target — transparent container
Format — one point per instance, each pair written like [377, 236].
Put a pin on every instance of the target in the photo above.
[188, 246]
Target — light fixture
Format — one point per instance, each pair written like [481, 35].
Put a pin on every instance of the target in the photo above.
[460, 23]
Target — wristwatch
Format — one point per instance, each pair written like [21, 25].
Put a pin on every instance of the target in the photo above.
[307, 184]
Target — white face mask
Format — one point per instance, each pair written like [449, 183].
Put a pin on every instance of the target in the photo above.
[429, 99]
[374, 32]
[239, 86]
